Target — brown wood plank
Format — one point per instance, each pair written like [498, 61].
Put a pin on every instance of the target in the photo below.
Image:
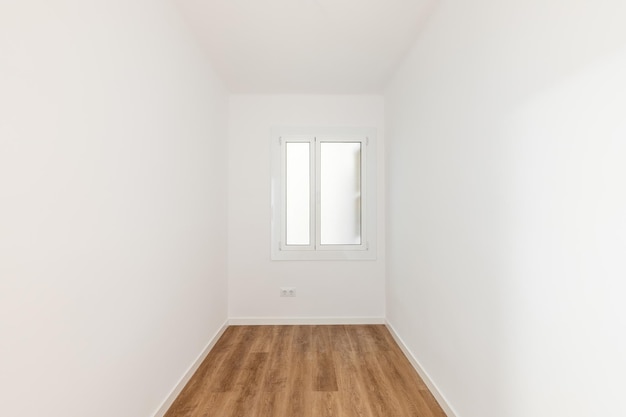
[303, 338]
[325, 404]
[299, 385]
[249, 385]
[306, 371]
[263, 340]
[213, 404]
[192, 395]
[407, 385]
[321, 338]
[339, 339]
[275, 378]
[378, 338]
[353, 392]
[324, 368]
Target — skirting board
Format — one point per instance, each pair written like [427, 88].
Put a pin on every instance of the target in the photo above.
[187, 376]
[261, 321]
[447, 408]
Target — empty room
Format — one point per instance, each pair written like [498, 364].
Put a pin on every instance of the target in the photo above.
[312, 208]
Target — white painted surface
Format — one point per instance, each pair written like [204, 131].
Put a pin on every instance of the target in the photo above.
[112, 206]
[506, 227]
[324, 288]
[306, 46]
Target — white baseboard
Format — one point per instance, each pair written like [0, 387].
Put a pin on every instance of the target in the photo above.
[261, 321]
[167, 403]
[445, 405]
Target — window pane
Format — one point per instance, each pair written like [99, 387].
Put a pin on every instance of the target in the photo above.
[297, 192]
[340, 193]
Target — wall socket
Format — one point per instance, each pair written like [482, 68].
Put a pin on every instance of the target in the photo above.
[287, 291]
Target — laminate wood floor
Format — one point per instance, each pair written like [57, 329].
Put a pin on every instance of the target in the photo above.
[306, 371]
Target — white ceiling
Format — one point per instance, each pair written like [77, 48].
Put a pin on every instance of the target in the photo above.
[306, 46]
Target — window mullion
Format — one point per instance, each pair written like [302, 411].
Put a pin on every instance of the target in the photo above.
[316, 193]
[312, 193]
[363, 194]
[283, 196]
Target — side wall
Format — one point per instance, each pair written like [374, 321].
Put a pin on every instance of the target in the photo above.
[325, 289]
[112, 206]
[506, 198]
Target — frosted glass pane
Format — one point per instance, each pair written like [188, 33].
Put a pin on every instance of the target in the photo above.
[340, 193]
[297, 191]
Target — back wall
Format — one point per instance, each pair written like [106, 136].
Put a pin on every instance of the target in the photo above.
[335, 289]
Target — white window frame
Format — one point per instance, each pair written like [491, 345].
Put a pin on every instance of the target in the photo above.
[366, 250]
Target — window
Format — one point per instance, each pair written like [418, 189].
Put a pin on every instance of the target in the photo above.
[323, 194]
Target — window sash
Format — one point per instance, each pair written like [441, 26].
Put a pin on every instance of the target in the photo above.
[312, 206]
[362, 193]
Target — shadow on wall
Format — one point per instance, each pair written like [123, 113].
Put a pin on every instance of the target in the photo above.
[567, 162]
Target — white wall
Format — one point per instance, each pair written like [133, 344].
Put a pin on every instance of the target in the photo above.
[112, 206]
[336, 289]
[506, 198]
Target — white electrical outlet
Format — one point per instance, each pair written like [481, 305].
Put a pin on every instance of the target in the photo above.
[287, 291]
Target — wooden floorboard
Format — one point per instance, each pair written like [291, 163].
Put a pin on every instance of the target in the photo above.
[305, 371]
